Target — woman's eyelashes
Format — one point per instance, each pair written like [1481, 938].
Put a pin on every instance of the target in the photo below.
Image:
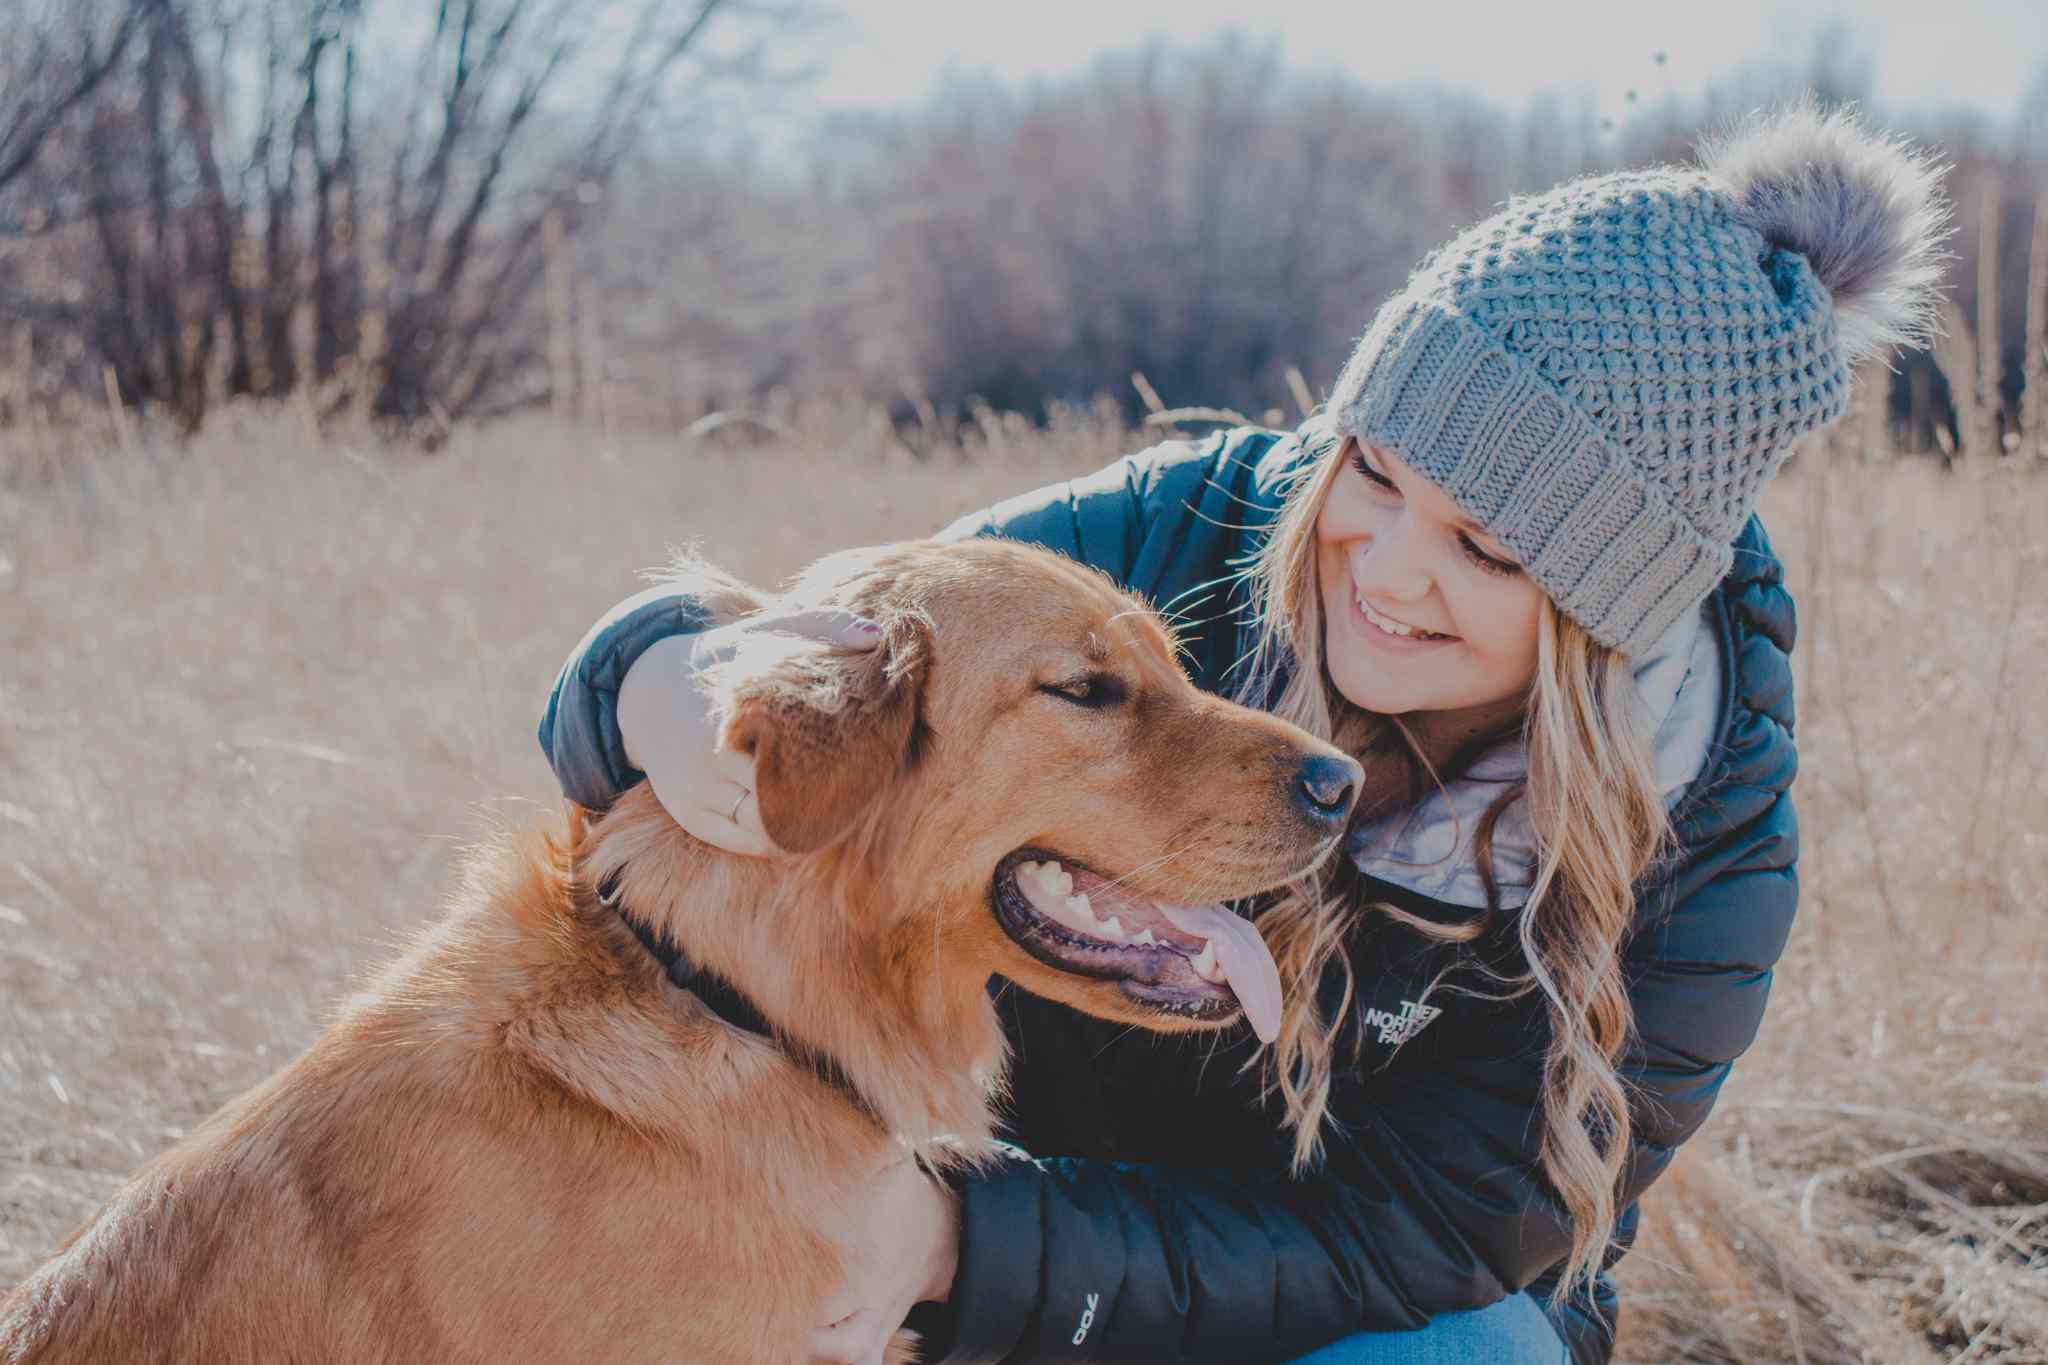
[1484, 561]
[1481, 559]
[1372, 476]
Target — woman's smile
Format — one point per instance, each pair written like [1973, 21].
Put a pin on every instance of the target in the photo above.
[1392, 634]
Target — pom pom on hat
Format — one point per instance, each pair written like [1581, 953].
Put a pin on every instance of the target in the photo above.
[1866, 211]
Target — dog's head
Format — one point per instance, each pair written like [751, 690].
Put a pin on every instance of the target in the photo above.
[1029, 780]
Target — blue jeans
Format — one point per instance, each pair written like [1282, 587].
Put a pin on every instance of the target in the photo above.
[1514, 1331]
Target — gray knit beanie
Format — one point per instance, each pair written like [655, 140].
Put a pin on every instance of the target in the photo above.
[1603, 375]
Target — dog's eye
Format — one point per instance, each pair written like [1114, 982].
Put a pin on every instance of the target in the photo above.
[1090, 689]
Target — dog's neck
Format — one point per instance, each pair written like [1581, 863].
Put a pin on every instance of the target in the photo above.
[726, 1000]
[912, 1034]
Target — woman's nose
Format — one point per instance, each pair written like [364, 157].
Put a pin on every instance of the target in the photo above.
[1390, 565]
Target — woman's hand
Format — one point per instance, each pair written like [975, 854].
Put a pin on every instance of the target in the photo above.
[665, 718]
[903, 1250]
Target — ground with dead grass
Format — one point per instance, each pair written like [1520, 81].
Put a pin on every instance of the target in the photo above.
[257, 690]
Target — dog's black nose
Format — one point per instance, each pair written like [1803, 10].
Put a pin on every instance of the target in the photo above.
[1327, 787]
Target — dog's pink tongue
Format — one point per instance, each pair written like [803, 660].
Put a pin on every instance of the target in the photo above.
[1242, 956]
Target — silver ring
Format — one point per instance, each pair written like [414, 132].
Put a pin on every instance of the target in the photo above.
[735, 816]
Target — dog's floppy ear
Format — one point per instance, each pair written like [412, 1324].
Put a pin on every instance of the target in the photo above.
[827, 730]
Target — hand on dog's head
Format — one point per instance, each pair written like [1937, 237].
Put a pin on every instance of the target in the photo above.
[828, 729]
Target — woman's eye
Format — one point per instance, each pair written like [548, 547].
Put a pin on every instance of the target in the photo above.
[1492, 564]
[1487, 563]
[1093, 690]
[1372, 476]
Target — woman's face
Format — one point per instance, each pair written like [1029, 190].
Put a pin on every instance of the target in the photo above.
[1423, 611]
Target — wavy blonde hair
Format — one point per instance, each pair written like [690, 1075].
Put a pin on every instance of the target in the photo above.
[1599, 823]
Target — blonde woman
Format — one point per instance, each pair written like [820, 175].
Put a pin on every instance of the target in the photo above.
[1513, 565]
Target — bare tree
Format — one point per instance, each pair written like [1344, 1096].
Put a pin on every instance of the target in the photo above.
[1196, 215]
[53, 62]
[348, 198]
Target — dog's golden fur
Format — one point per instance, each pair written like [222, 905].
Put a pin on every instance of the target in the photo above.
[521, 1141]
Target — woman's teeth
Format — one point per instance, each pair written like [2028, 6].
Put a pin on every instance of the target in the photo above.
[1393, 627]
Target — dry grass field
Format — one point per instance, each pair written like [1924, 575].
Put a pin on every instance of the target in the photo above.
[255, 691]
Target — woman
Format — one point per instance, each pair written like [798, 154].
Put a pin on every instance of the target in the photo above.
[1514, 559]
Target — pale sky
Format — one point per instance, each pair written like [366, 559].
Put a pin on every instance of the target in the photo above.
[1927, 54]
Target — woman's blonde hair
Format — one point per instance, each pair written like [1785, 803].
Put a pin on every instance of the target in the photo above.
[1599, 822]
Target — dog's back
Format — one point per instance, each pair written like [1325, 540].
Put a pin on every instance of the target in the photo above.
[223, 1249]
[516, 1142]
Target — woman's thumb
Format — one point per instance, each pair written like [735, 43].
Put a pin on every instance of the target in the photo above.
[833, 625]
[857, 633]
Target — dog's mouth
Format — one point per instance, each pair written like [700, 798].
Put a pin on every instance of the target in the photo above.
[1200, 961]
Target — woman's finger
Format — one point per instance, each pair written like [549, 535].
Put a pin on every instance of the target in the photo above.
[733, 794]
[699, 795]
[834, 625]
[853, 1340]
[735, 827]
[745, 811]
[730, 765]
[714, 829]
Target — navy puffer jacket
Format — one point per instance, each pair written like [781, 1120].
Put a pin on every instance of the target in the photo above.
[1158, 1209]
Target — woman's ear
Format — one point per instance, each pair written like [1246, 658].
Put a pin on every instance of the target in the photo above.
[827, 730]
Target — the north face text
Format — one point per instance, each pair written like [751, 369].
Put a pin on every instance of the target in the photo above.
[1396, 1029]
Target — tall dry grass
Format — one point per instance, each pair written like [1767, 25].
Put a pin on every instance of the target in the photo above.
[256, 690]
[1892, 1123]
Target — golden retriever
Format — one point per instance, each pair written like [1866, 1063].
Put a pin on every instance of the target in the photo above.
[522, 1141]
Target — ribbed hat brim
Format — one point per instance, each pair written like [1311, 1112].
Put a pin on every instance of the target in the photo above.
[1503, 443]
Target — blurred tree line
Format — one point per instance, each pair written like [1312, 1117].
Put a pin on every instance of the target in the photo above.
[448, 208]
[206, 199]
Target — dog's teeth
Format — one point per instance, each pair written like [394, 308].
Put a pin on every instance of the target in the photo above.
[1144, 939]
[1078, 907]
[1063, 882]
[1204, 963]
[1113, 928]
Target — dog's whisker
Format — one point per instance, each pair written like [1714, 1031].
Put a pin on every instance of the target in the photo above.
[1126, 1031]
[1154, 864]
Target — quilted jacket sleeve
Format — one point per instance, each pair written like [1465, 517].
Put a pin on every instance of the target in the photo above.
[579, 730]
